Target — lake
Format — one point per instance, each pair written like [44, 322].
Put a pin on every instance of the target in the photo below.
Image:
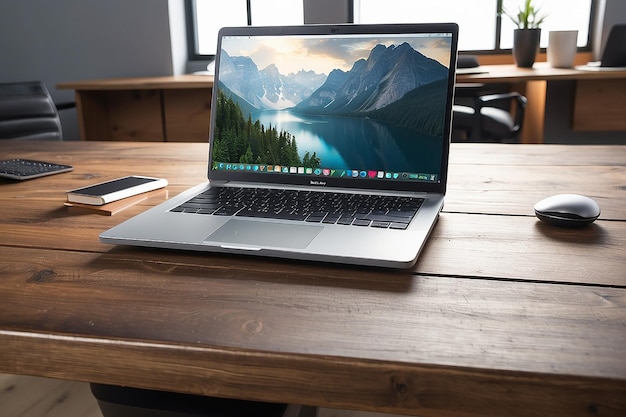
[357, 143]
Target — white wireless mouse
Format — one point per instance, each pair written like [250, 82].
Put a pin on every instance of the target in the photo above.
[567, 210]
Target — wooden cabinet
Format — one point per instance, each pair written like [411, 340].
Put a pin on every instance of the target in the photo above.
[169, 109]
[600, 105]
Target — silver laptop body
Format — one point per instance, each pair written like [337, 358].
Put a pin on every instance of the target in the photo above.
[324, 111]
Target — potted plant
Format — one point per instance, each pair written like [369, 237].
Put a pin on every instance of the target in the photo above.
[526, 36]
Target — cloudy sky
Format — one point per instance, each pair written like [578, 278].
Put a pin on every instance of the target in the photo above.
[323, 54]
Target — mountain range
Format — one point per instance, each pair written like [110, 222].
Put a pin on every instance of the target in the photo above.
[395, 84]
[384, 77]
[387, 75]
[267, 88]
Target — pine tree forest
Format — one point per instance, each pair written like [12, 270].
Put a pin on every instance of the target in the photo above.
[247, 142]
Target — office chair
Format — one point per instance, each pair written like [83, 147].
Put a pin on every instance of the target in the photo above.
[28, 112]
[479, 116]
[486, 120]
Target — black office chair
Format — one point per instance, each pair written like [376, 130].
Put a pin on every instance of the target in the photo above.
[483, 116]
[489, 117]
[27, 111]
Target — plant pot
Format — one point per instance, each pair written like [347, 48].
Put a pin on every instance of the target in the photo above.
[525, 46]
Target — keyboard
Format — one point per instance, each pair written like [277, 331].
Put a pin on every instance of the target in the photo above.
[24, 169]
[379, 211]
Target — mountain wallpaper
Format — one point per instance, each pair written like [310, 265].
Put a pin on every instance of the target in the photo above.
[359, 103]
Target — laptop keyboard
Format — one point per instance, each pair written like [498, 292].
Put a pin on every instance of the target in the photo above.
[393, 212]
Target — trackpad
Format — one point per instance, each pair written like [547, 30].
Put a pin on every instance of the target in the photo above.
[264, 234]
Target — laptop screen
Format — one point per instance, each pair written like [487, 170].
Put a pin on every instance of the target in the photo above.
[348, 105]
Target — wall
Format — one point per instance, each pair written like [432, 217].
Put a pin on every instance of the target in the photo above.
[326, 11]
[70, 40]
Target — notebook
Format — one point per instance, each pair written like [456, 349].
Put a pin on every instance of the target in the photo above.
[327, 143]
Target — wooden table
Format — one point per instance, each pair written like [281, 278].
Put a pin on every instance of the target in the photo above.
[599, 100]
[501, 316]
[177, 108]
[165, 109]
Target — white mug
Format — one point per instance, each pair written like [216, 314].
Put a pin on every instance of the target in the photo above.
[562, 48]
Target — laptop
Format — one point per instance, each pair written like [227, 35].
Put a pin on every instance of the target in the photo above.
[614, 54]
[327, 143]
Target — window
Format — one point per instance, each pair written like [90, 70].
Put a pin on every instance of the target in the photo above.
[480, 28]
[476, 24]
[206, 17]
[206, 22]
[578, 16]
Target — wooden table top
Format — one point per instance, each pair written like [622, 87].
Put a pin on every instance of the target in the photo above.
[142, 83]
[501, 316]
[490, 73]
[541, 71]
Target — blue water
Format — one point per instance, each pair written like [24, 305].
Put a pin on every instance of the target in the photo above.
[357, 143]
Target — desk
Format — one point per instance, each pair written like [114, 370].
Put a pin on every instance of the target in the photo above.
[171, 109]
[177, 108]
[501, 316]
[599, 100]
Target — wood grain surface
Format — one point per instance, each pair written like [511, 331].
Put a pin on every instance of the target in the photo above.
[591, 112]
[541, 71]
[501, 316]
[175, 82]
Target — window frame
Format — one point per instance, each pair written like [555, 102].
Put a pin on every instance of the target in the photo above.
[498, 50]
[593, 11]
[194, 55]
[192, 33]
